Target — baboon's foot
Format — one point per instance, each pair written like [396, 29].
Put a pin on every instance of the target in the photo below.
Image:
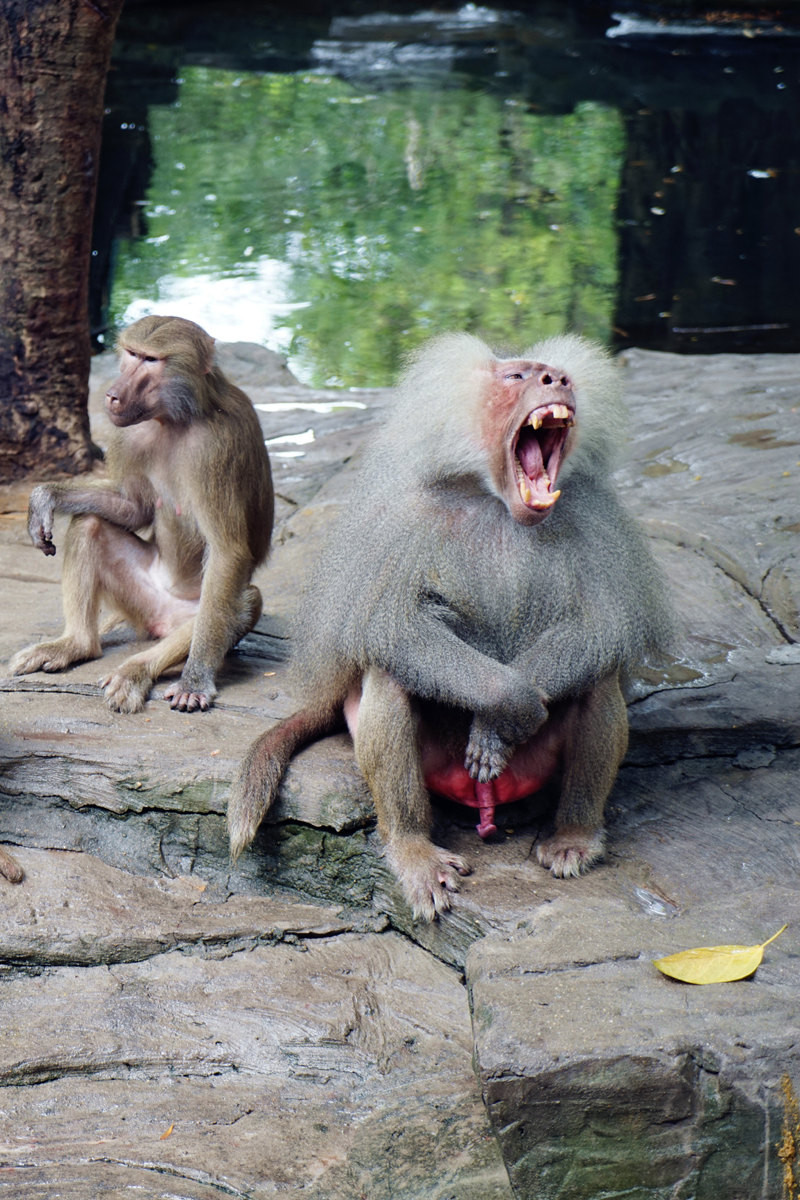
[571, 851]
[52, 656]
[428, 875]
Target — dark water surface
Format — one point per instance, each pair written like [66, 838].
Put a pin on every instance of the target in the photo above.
[340, 187]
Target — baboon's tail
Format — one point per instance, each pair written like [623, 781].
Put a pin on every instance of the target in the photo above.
[10, 867]
[260, 774]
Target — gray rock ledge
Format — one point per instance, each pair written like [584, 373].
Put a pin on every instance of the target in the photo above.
[175, 1026]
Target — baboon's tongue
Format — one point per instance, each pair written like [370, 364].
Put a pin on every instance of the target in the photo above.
[529, 453]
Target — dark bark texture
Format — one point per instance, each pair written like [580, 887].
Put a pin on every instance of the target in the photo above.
[54, 57]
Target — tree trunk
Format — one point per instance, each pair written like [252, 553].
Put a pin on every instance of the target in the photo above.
[54, 57]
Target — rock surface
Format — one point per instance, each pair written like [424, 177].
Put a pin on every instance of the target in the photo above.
[174, 1026]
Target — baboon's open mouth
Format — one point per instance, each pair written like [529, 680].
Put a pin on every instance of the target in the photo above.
[538, 452]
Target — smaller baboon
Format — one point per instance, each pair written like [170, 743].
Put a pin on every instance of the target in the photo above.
[473, 611]
[187, 462]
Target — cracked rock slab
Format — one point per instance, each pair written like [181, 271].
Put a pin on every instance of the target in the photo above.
[603, 1077]
[135, 917]
[280, 1067]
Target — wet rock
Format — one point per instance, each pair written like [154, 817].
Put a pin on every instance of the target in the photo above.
[286, 1018]
[135, 917]
[602, 1076]
[271, 1049]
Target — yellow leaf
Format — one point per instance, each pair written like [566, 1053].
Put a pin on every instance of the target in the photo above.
[167, 1132]
[714, 964]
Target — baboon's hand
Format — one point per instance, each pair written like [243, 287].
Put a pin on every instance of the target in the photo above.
[487, 754]
[40, 519]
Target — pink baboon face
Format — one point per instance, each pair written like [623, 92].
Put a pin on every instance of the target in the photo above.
[527, 429]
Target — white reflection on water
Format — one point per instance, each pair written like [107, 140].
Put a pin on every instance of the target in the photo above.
[249, 307]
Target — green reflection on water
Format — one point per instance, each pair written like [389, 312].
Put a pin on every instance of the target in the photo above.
[399, 214]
